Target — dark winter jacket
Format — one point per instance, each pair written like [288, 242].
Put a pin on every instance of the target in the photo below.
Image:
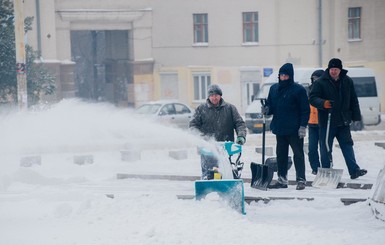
[218, 122]
[289, 105]
[343, 96]
[313, 119]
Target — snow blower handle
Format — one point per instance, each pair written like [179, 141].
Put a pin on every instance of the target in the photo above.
[232, 148]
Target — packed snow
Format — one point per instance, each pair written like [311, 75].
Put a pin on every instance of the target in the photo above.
[53, 199]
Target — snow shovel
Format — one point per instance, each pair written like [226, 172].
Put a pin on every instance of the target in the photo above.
[328, 177]
[261, 174]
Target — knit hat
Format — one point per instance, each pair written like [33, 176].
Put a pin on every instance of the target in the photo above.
[317, 73]
[287, 69]
[335, 63]
[214, 89]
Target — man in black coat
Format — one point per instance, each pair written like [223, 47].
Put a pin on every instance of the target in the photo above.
[288, 103]
[217, 119]
[334, 92]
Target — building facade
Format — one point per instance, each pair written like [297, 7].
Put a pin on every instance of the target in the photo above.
[129, 52]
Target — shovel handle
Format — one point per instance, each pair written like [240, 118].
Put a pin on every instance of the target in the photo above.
[263, 103]
[327, 139]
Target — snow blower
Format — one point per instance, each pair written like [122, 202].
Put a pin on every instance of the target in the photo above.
[223, 178]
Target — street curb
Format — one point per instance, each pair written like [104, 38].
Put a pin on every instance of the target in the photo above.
[360, 186]
[265, 200]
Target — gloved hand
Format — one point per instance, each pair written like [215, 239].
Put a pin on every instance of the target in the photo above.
[265, 110]
[328, 104]
[240, 140]
[302, 132]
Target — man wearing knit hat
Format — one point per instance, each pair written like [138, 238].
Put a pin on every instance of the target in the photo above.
[288, 103]
[217, 119]
[334, 92]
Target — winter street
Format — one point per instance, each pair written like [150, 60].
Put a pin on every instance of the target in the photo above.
[63, 200]
[147, 122]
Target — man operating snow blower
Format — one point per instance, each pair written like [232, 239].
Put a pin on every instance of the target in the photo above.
[217, 120]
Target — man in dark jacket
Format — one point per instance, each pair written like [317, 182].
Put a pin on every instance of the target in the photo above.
[288, 103]
[313, 129]
[217, 119]
[334, 92]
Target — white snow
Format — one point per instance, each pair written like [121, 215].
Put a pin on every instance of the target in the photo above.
[59, 202]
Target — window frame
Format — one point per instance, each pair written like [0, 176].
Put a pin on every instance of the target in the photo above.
[365, 87]
[250, 27]
[201, 85]
[200, 28]
[354, 23]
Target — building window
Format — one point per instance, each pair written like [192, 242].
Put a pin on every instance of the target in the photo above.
[201, 34]
[201, 82]
[354, 28]
[250, 27]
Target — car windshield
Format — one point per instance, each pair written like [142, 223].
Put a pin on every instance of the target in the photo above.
[148, 109]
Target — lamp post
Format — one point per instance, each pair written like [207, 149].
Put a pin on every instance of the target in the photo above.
[21, 71]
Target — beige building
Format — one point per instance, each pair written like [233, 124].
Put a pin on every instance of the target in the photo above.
[128, 52]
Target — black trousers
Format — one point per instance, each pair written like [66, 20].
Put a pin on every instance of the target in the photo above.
[282, 151]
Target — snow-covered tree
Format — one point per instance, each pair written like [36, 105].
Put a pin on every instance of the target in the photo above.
[39, 80]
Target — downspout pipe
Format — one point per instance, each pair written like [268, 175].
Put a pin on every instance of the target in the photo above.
[38, 27]
[320, 42]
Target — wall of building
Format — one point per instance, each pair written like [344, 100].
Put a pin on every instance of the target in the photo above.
[161, 37]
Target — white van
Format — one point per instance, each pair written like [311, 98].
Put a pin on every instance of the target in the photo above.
[365, 85]
[364, 82]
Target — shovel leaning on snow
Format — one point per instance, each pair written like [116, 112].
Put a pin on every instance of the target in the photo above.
[328, 177]
[261, 174]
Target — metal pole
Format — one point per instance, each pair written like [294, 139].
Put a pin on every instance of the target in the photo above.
[320, 41]
[21, 71]
[38, 26]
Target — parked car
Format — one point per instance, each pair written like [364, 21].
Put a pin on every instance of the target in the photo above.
[168, 112]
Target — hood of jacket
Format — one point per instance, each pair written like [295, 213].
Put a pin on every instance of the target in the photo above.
[288, 70]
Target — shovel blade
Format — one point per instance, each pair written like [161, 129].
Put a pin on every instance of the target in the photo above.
[261, 176]
[327, 178]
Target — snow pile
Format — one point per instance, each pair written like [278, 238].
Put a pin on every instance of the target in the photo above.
[377, 200]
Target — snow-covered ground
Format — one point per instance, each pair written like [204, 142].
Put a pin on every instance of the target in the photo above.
[60, 202]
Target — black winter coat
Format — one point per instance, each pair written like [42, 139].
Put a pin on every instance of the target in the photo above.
[218, 122]
[346, 107]
[289, 105]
